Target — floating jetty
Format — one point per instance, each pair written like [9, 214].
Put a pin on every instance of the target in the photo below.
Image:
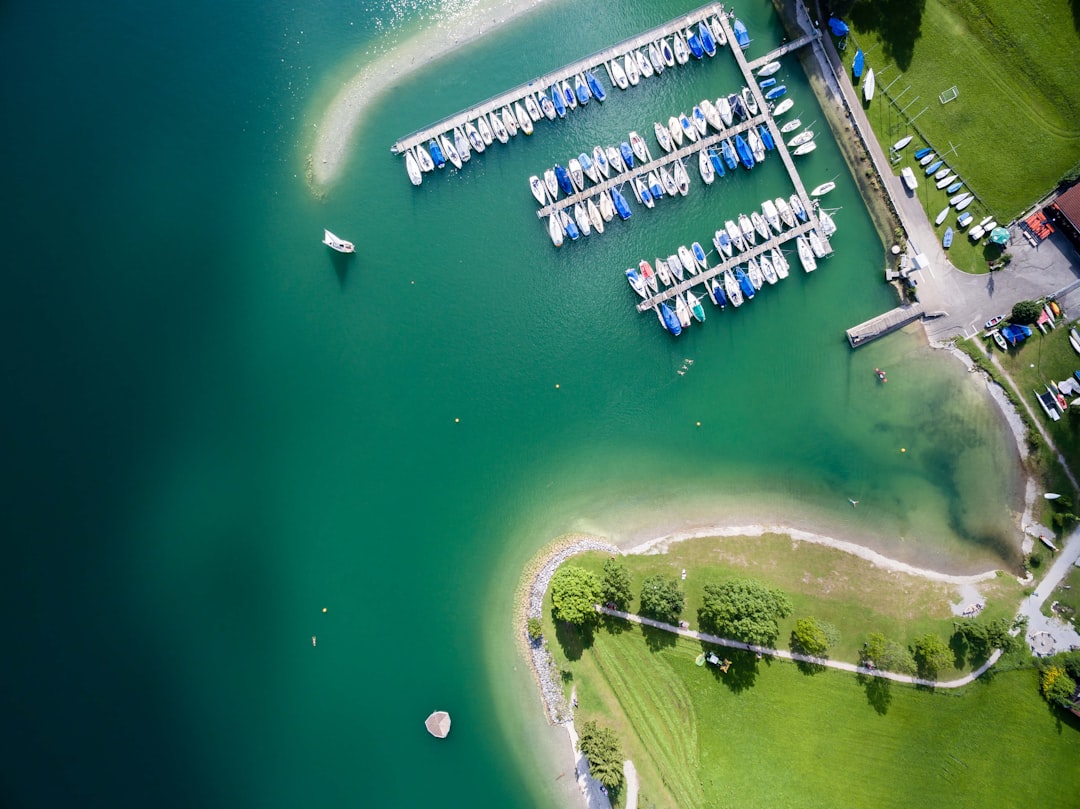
[884, 324]
[541, 84]
[753, 251]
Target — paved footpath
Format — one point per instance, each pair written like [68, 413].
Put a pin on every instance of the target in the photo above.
[785, 655]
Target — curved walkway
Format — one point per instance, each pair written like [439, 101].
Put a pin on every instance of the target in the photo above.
[801, 658]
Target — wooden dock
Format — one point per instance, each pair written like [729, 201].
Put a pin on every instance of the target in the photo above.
[884, 324]
[644, 168]
[541, 83]
[784, 49]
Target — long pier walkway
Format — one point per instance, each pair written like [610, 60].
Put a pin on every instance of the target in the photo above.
[542, 83]
[781, 148]
[644, 168]
[784, 49]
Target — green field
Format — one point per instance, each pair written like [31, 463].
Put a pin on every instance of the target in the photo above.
[1015, 125]
[768, 735]
[1067, 595]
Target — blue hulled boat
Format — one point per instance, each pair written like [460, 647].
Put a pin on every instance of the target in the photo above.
[436, 153]
[563, 176]
[595, 86]
[857, 65]
[776, 92]
[743, 150]
[697, 50]
[717, 294]
[582, 90]
[708, 41]
[621, 208]
[765, 84]
[742, 36]
[717, 163]
[627, 154]
[919, 155]
[766, 137]
[671, 322]
[737, 106]
[747, 288]
[729, 153]
[558, 101]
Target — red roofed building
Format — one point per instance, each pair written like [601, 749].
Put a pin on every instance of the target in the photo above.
[1065, 213]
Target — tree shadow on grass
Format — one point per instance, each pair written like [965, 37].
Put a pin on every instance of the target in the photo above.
[959, 646]
[658, 639]
[878, 692]
[741, 674]
[1075, 4]
[613, 625]
[572, 639]
[897, 22]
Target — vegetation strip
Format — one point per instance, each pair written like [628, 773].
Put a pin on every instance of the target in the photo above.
[801, 658]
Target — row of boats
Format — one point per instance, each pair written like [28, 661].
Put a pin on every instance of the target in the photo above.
[945, 179]
[456, 145]
[735, 285]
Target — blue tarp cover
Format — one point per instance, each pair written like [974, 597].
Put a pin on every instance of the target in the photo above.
[838, 27]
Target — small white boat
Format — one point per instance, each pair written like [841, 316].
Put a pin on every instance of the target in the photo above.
[555, 230]
[539, 190]
[663, 274]
[461, 143]
[698, 119]
[630, 68]
[803, 137]
[705, 168]
[551, 182]
[783, 107]
[696, 308]
[797, 207]
[927, 159]
[757, 147]
[731, 287]
[772, 215]
[941, 216]
[336, 243]
[868, 86]
[900, 144]
[943, 173]
[823, 189]
[589, 167]
[618, 75]
[413, 168]
[484, 128]
[600, 160]
[946, 181]
[1074, 340]
[663, 137]
[499, 129]
[787, 216]
[509, 122]
[682, 311]
[643, 63]
[735, 235]
[641, 191]
[746, 228]
[723, 107]
[909, 178]
[449, 151]
[806, 255]
[817, 244]
[768, 69]
[671, 188]
[779, 262]
[532, 107]
[768, 270]
[806, 148]
[577, 176]
[970, 198]
[476, 140]
[581, 216]
[676, 131]
[607, 207]
[711, 115]
[753, 272]
[791, 125]
[682, 179]
[958, 198]
[423, 159]
[688, 128]
[615, 159]
[682, 53]
[594, 216]
[641, 150]
[750, 100]
[523, 119]
[828, 226]
[760, 225]
[656, 59]
[667, 53]
[569, 97]
[676, 267]
[687, 259]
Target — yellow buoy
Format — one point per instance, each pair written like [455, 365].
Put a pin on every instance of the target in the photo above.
[556, 386]
[456, 421]
[699, 424]
[324, 609]
[903, 449]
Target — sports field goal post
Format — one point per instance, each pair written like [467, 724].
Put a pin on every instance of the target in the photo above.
[949, 95]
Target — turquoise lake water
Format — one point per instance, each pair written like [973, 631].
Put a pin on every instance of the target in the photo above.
[215, 428]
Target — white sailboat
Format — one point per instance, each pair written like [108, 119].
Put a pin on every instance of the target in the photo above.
[336, 243]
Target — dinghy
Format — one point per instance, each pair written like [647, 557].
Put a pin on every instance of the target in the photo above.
[663, 136]
[769, 69]
[783, 107]
[946, 240]
[900, 144]
[413, 168]
[823, 189]
[857, 65]
[868, 86]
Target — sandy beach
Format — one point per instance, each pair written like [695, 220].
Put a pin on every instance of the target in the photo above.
[456, 25]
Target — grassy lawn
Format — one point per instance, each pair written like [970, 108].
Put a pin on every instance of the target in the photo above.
[831, 585]
[1067, 595]
[1016, 122]
[768, 735]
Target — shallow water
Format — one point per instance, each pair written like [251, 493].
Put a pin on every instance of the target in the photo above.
[217, 428]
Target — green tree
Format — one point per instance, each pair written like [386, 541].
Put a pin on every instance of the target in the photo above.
[809, 637]
[931, 655]
[744, 609]
[601, 747]
[616, 584]
[880, 652]
[662, 598]
[574, 594]
[534, 628]
[1057, 686]
[1026, 312]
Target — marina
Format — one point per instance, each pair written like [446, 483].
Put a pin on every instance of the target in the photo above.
[540, 84]
[776, 241]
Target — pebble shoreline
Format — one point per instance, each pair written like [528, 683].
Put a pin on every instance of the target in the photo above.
[531, 605]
